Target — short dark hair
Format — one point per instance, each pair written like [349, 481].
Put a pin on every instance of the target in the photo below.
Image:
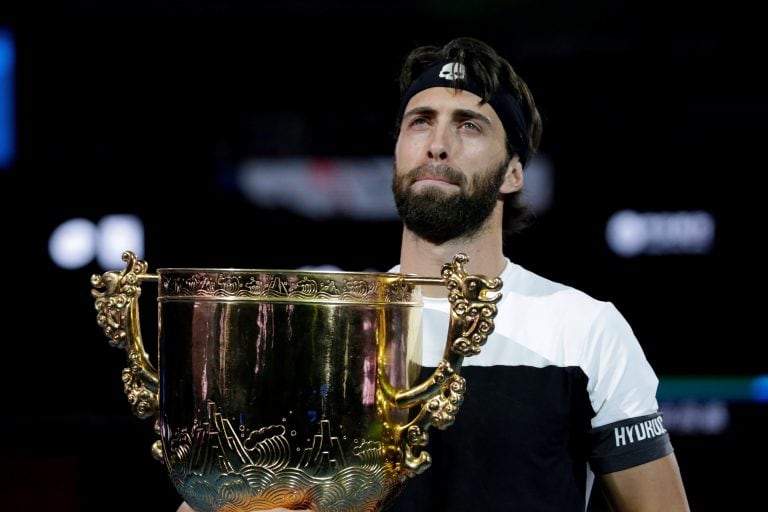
[492, 72]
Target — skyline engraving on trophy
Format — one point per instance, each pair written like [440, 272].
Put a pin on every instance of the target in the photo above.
[230, 466]
[325, 454]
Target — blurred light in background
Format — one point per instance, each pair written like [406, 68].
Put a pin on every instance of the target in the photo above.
[760, 389]
[118, 233]
[356, 188]
[629, 233]
[7, 122]
[76, 242]
[735, 388]
[539, 183]
[73, 243]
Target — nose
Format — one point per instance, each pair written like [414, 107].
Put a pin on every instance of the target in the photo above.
[436, 153]
[438, 145]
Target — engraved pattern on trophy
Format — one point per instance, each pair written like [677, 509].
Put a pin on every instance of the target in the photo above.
[275, 285]
[282, 388]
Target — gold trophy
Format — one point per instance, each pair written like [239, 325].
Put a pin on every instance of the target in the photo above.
[289, 388]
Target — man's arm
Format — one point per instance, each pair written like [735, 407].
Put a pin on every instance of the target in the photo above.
[653, 486]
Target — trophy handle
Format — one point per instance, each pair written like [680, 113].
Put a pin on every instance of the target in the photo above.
[118, 315]
[473, 300]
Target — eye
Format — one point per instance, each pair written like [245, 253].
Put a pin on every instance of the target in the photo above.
[469, 125]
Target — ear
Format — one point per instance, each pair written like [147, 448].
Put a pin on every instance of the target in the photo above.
[513, 178]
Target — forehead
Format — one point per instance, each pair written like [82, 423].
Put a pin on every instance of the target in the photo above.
[449, 99]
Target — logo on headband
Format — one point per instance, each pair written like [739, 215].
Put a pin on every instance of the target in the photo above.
[453, 71]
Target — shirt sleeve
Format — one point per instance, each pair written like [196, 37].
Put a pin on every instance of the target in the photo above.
[627, 429]
[628, 443]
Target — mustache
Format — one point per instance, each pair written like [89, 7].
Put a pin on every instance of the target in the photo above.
[441, 171]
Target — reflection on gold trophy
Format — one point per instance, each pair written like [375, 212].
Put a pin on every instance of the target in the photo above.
[294, 389]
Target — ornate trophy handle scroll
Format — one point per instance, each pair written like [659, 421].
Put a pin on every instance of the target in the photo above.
[118, 315]
[473, 302]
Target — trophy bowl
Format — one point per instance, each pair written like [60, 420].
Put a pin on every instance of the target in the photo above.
[288, 388]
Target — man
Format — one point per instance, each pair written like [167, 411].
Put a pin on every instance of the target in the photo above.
[562, 389]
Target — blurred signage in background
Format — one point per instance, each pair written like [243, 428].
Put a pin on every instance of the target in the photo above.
[630, 233]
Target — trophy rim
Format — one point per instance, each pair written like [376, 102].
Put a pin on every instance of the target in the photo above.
[244, 270]
[300, 285]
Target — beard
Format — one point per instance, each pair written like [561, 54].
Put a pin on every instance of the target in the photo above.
[438, 216]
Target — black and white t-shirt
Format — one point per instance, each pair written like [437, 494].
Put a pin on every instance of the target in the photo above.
[560, 390]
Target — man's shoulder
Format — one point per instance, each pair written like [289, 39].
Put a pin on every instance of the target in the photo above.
[556, 301]
[520, 279]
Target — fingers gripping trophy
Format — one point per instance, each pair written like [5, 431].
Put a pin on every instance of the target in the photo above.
[289, 388]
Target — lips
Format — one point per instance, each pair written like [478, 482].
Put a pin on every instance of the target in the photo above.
[436, 174]
[438, 179]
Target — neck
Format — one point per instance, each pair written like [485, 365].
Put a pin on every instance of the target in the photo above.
[421, 257]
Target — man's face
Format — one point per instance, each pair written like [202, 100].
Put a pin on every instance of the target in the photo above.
[450, 164]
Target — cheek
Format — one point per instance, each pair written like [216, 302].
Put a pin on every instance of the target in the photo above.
[474, 155]
[407, 148]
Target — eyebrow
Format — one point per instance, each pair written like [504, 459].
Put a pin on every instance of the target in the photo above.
[463, 113]
[460, 113]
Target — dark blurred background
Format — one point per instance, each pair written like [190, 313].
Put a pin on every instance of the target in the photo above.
[166, 111]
